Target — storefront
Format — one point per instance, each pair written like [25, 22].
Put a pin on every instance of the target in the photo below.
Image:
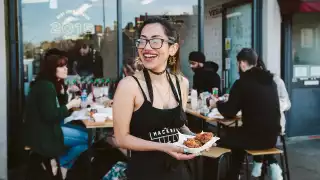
[301, 68]
[230, 26]
[109, 28]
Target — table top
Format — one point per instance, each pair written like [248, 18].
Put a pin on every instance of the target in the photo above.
[91, 124]
[189, 110]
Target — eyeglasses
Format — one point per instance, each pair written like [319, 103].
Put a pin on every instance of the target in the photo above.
[154, 43]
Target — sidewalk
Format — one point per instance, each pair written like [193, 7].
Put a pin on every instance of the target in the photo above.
[304, 159]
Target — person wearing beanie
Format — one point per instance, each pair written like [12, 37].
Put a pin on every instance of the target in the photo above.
[203, 79]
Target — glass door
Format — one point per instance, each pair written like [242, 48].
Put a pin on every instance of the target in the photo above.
[305, 78]
[238, 29]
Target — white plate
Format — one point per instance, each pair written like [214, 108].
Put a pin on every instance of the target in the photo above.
[184, 137]
[106, 111]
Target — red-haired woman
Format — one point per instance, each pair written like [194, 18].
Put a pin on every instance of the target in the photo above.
[46, 108]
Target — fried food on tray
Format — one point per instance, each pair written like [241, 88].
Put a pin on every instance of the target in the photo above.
[192, 143]
[199, 140]
[204, 137]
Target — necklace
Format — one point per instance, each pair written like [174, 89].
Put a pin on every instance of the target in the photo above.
[157, 73]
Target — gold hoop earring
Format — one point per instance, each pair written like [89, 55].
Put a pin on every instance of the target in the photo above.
[137, 59]
[172, 60]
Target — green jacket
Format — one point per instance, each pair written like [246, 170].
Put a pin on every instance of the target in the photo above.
[43, 116]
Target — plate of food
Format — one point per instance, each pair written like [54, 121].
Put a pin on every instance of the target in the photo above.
[198, 143]
[101, 112]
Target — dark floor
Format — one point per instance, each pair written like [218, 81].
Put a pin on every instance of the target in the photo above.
[304, 159]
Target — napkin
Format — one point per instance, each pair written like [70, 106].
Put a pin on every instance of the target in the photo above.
[78, 115]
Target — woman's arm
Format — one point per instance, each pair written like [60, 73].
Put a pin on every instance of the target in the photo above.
[123, 107]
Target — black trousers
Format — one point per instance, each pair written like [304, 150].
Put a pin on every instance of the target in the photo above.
[239, 140]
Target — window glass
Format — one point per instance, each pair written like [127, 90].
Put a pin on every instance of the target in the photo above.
[306, 45]
[182, 13]
[239, 35]
[86, 30]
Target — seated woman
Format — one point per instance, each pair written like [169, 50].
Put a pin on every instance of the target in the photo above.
[46, 108]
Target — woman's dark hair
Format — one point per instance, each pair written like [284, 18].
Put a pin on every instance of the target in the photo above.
[260, 64]
[172, 34]
[48, 68]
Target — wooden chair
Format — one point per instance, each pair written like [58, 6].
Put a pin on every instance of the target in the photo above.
[44, 162]
[272, 151]
[284, 147]
[217, 153]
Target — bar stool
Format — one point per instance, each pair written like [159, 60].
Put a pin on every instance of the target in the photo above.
[45, 162]
[284, 147]
[272, 151]
[217, 153]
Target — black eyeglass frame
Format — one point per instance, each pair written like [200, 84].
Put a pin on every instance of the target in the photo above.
[170, 42]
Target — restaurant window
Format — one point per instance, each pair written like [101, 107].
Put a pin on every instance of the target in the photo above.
[181, 13]
[238, 36]
[70, 26]
[306, 45]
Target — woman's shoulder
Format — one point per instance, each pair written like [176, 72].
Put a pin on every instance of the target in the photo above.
[43, 85]
[130, 82]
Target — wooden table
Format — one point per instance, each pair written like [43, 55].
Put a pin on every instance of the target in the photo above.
[228, 122]
[90, 124]
[189, 110]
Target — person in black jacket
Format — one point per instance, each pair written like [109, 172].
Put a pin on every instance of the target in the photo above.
[85, 61]
[204, 78]
[255, 95]
[212, 69]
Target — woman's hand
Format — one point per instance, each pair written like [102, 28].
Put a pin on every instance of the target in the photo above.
[177, 152]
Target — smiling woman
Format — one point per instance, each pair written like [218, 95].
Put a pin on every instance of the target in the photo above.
[181, 14]
[148, 107]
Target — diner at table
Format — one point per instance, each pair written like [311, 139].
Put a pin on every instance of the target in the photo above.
[46, 107]
[255, 94]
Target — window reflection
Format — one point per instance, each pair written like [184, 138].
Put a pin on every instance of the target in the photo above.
[181, 13]
[86, 30]
[306, 45]
[306, 39]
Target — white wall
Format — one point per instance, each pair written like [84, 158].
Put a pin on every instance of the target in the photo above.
[272, 36]
[3, 96]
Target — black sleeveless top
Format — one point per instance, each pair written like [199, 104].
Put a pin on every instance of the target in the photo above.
[158, 125]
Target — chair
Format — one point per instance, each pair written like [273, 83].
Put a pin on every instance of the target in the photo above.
[45, 163]
[217, 153]
[272, 151]
[284, 147]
